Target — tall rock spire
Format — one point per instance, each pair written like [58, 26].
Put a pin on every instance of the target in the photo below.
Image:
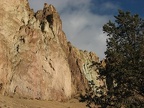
[36, 61]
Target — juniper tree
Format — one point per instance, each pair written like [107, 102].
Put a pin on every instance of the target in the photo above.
[125, 54]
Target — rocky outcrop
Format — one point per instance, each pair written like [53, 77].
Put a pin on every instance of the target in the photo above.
[36, 61]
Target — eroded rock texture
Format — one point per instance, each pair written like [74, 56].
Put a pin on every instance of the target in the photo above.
[36, 61]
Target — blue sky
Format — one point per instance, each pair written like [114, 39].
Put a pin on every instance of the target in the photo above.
[134, 6]
[83, 19]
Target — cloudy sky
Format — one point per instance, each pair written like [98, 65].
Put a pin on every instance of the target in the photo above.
[83, 19]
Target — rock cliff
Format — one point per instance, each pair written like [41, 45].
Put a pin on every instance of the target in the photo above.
[36, 61]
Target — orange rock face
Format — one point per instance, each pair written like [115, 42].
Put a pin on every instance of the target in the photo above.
[36, 61]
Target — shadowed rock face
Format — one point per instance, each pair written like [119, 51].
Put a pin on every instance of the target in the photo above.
[36, 61]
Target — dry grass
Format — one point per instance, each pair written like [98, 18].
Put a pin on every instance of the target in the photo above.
[13, 102]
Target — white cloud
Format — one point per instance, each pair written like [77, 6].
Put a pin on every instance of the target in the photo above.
[109, 5]
[82, 26]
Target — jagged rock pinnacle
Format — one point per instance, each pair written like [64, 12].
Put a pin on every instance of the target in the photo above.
[36, 61]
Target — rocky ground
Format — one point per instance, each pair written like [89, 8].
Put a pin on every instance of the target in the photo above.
[14, 102]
